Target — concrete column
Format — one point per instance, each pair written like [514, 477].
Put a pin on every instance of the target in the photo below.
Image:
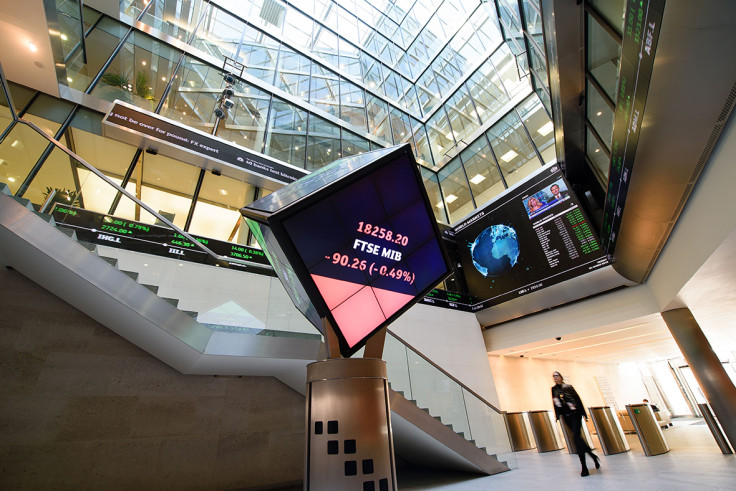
[707, 368]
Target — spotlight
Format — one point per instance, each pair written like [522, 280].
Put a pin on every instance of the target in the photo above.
[229, 78]
[228, 92]
[220, 113]
[228, 103]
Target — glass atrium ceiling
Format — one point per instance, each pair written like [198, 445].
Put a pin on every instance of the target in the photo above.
[464, 83]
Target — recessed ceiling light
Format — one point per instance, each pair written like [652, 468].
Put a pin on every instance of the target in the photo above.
[599, 113]
[69, 79]
[143, 63]
[477, 179]
[597, 150]
[63, 37]
[224, 192]
[450, 198]
[509, 156]
[11, 179]
[32, 47]
[440, 205]
[546, 129]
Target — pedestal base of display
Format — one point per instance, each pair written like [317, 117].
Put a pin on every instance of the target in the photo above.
[349, 441]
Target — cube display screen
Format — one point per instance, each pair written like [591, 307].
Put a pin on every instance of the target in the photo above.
[367, 246]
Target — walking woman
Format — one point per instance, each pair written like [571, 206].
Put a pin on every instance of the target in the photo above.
[568, 405]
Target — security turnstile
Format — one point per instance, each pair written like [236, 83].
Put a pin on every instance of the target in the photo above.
[609, 430]
[647, 429]
[715, 428]
[545, 431]
[570, 438]
[520, 431]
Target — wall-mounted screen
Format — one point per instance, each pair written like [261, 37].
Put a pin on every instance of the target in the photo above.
[532, 237]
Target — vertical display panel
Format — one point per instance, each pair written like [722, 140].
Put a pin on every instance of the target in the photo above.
[533, 237]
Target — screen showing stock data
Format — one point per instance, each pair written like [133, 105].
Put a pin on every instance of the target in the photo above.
[530, 238]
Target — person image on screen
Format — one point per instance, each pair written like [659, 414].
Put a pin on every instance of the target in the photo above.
[534, 205]
[569, 406]
[556, 193]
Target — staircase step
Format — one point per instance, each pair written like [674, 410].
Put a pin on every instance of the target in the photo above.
[153, 288]
[131, 274]
[88, 245]
[191, 314]
[25, 202]
[110, 260]
[69, 232]
[5, 189]
[46, 217]
[172, 301]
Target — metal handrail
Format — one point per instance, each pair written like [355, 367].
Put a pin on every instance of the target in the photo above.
[481, 398]
[140, 203]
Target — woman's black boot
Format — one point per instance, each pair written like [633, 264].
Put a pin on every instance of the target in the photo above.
[596, 460]
[584, 472]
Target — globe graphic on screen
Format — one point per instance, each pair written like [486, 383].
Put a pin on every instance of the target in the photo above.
[495, 251]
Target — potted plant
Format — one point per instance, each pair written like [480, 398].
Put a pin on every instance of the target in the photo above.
[59, 195]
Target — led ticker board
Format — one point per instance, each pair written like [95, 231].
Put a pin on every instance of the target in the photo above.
[361, 239]
[642, 23]
[532, 237]
[138, 236]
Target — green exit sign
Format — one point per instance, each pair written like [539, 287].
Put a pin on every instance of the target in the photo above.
[637, 411]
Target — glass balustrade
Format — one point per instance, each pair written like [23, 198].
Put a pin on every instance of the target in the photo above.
[432, 389]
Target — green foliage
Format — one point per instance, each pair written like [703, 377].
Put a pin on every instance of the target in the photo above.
[116, 79]
[63, 195]
[142, 85]
[122, 80]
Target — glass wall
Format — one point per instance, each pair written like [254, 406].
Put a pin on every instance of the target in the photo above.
[139, 73]
[604, 23]
[338, 77]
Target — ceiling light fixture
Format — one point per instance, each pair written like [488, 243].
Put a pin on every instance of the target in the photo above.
[32, 47]
[477, 179]
[546, 129]
[450, 198]
[509, 156]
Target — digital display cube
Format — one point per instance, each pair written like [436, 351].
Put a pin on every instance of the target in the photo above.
[355, 242]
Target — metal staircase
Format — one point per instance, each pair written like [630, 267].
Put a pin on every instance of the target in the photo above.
[84, 276]
[93, 279]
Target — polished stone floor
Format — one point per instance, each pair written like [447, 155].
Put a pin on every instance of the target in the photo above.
[694, 462]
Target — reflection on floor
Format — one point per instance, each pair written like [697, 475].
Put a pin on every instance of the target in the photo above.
[694, 462]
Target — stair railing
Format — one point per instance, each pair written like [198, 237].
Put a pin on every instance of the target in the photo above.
[445, 397]
[132, 197]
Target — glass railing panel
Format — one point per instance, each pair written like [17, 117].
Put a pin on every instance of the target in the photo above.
[397, 366]
[488, 426]
[100, 44]
[6, 114]
[19, 151]
[435, 391]
[421, 381]
[175, 18]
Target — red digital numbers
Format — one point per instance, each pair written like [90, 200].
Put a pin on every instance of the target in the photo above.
[382, 233]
